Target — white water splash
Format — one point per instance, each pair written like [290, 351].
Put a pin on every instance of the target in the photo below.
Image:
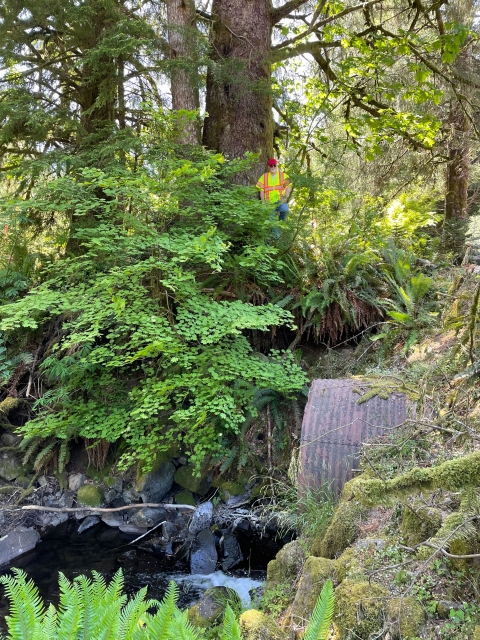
[218, 579]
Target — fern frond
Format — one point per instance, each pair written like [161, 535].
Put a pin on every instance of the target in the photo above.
[159, 624]
[231, 628]
[44, 456]
[26, 606]
[319, 625]
[182, 629]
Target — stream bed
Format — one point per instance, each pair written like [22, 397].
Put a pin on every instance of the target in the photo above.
[106, 549]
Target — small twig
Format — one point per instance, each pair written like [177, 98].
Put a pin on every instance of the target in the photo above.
[146, 534]
[174, 507]
[451, 555]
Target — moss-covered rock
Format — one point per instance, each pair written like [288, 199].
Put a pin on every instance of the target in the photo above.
[90, 496]
[343, 530]
[228, 489]
[476, 633]
[406, 618]
[316, 572]
[359, 609]
[185, 497]
[344, 564]
[419, 524]
[9, 404]
[255, 625]
[188, 479]
[210, 608]
[287, 565]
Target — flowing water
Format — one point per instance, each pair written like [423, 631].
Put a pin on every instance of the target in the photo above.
[106, 550]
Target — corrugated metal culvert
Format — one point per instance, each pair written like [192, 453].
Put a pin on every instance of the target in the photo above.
[335, 425]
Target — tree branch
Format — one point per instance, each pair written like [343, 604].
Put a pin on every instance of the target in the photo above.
[283, 11]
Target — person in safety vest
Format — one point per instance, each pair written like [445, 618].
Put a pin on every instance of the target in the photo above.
[275, 188]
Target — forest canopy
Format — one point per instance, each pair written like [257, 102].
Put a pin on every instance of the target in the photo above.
[147, 300]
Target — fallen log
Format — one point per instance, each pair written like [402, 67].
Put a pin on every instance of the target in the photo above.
[34, 507]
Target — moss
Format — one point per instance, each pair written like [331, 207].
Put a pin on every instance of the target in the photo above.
[255, 625]
[359, 609]
[344, 563]
[93, 473]
[185, 497]
[420, 524]
[316, 572]
[342, 531]
[90, 496]
[187, 478]
[228, 489]
[476, 633]
[287, 565]
[210, 608]
[406, 617]
[9, 404]
[452, 475]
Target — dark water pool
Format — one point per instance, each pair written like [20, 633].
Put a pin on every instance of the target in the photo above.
[105, 549]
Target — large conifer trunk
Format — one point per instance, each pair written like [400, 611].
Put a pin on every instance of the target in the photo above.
[239, 103]
[181, 18]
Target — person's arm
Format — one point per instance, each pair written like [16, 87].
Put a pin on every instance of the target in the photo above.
[262, 195]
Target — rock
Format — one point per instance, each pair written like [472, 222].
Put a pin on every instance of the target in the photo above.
[342, 531]
[42, 481]
[255, 625]
[187, 478]
[406, 618]
[359, 609]
[16, 543]
[131, 496]
[366, 543]
[210, 608]
[185, 497]
[203, 558]
[113, 519]
[287, 565]
[231, 552]
[65, 500]
[132, 529]
[114, 483]
[148, 517]
[158, 483]
[89, 522]
[228, 489]
[241, 526]
[75, 481]
[10, 467]
[23, 481]
[238, 500]
[118, 502]
[90, 496]
[202, 518]
[420, 524]
[10, 439]
[51, 519]
[315, 573]
[110, 496]
[169, 530]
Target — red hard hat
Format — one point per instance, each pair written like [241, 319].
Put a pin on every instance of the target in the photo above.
[272, 162]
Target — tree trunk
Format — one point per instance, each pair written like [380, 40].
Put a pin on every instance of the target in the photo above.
[181, 16]
[239, 101]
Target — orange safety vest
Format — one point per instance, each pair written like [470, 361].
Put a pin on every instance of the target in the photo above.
[267, 189]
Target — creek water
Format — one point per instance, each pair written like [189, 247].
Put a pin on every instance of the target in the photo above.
[105, 550]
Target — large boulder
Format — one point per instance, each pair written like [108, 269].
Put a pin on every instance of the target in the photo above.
[406, 618]
[113, 518]
[16, 543]
[90, 496]
[210, 608]
[154, 486]
[10, 467]
[316, 572]
[187, 477]
[419, 524]
[203, 558]
[201, 519]
[359, 609]
[342, 531]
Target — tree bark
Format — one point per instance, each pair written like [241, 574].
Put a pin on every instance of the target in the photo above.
[181, 17]
[239, 100]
